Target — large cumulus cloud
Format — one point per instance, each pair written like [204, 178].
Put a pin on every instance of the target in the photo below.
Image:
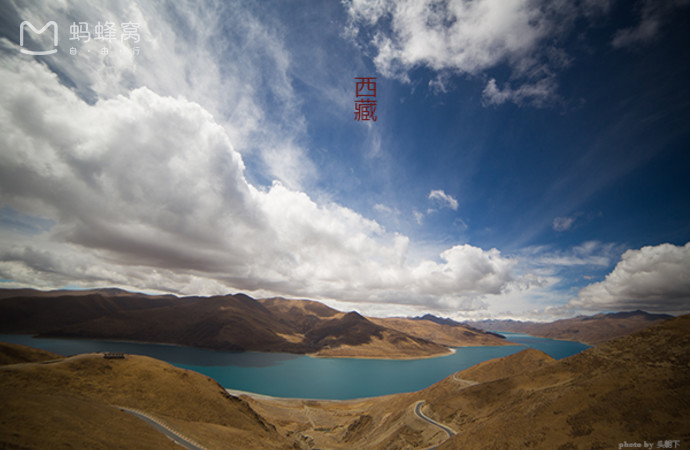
[146, 191]
[653, 278]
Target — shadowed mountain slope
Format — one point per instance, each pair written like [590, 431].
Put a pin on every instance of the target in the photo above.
[337, 334]
[32, 311]
[229, 322]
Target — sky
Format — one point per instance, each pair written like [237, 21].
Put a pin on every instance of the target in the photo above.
[529, 159]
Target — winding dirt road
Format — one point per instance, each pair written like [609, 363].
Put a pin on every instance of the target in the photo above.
[169, 432]
[420, 414]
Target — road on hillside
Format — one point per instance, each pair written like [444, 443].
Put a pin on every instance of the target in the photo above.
[177, 438]
[465, 383]
[420, 414]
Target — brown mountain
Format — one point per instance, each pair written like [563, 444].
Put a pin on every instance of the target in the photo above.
[591, 330]
[33, 311]
[75, 403]
[230, 322]
[631, 389]
[442, 333]
[338, 334]
[299, 313]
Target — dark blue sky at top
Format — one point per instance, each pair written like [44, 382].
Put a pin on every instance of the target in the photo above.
[611, 151]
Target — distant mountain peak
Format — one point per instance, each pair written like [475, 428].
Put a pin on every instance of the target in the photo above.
[354, 315]
[438, 320]
[111, 290]
[638, 312]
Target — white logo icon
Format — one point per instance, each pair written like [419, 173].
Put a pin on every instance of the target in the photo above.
[26, 23]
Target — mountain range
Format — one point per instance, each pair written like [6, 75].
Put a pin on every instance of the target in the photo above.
[591, 330]
[229, 322]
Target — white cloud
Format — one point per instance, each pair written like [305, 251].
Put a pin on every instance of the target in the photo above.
[590, 253]
[470, 37]
[380, 207]
[653, 14]
[467, 270]
[566, 223]
[563, 223]
[440, 84]
[218, 55]
[443, 199]
[460, 224]
[133, 166]
[539, 94]
[467, 36]
[653, 278]
[147, 192]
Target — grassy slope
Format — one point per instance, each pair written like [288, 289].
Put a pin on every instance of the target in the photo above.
[631, 389]
[451, 336]
[70, 403]
[382, 422]
[15, 353]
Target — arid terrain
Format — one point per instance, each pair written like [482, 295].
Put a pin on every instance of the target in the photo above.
[591, 330]
[448, 335]
[631, 389]
[74, 403]
[15, 354]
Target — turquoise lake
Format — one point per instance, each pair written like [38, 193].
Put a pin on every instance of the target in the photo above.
[299, 376]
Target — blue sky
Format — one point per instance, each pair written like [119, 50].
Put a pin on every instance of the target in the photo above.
[529, 159]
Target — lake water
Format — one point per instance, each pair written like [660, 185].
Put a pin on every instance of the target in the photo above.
[300, 376]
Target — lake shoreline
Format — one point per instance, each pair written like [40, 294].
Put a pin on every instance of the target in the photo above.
[386, 358]
[284, 375]
[273, 398]
[171, 344]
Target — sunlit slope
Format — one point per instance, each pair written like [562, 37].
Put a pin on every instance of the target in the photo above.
[73, 402]
[632, 389]
[451, 336]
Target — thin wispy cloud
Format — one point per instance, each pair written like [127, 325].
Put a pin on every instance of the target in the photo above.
[443, 200]
[563, 223]
[653, 15]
